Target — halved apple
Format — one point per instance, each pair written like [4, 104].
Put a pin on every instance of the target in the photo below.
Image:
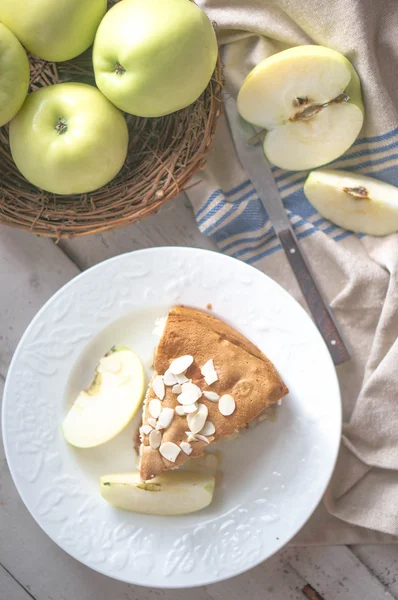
[172, 493]
[109, 403]
[353, 201]
[308, 99]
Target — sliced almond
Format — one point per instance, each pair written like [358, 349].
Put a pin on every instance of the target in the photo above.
[189, 397]
[190, 408]
[202, 438]
[169, 378]
[186, 448]
[197, 420]
[190, 436]
[158, 386]
[180, 410]
[226, 405]
[208, 428]
[145, 429]
[181, 364]
[155, 408]
[155, 439]
[191, 388]
[176, 389]
[209, 373]
[182, 378]
[165, 418]
[151, 421]
[212, 396]
[169, 451]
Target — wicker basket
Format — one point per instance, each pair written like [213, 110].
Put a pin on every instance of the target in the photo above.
[163, 155]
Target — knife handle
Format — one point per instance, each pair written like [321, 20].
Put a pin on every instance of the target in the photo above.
[321, 313]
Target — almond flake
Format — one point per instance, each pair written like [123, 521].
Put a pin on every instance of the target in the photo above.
[165, 418]
[226, 405]
[191, 388]
[186, 448]
[145, 429]
[155, 439]
[189, 397]
[209, 373]
[180, 410]
[176, 389]
[182, 378]
[158, 386]
[190, 436]
[197, 420]
[202, 438]
[169, 378]
[169, 451]
[155, 408]
[181, 364]
[212, 396]
[190, 408]
[151, 421]
[208, 428]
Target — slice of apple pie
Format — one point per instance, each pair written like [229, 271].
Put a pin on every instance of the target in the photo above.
[209, 381]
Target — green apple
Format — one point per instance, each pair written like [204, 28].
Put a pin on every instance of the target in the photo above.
[109, 403]
[153, 57]
[353, 201]
[172, 493]
[308, 99]
[54, 30]
[68, 139]
[14, 75]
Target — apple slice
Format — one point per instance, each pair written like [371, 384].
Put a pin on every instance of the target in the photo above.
[353, 201]
[172, 493]
[308, 99]
[109, 403]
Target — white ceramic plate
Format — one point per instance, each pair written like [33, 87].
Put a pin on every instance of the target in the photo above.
[272, 476]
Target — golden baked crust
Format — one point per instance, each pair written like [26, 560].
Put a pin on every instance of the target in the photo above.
[243, 372]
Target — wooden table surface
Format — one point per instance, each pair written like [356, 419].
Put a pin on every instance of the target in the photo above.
[31, 565]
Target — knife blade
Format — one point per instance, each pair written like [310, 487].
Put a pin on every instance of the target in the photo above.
[255, 164]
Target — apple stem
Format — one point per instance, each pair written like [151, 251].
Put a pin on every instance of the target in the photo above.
[360, 192]
[310, 111]
[119, 70]
[61, 126]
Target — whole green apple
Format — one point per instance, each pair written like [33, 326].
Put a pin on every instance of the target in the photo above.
[54, 30]
[153, 57]
[68, 139]
[14, 75]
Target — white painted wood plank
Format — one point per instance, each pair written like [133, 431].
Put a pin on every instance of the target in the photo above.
[336, 573]
[382, 561]
[274, 579]
[174, 225]
[10, 589]
[31, 270]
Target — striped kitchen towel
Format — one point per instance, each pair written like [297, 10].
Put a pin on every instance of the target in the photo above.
[359, 274]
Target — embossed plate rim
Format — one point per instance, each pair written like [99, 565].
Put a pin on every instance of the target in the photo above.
[248, 526]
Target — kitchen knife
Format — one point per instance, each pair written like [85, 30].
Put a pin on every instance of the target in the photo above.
[256, 166]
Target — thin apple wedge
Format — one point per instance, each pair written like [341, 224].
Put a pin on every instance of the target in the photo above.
[353, 201]
[308, 98]
[109, 403]
[172, 493]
